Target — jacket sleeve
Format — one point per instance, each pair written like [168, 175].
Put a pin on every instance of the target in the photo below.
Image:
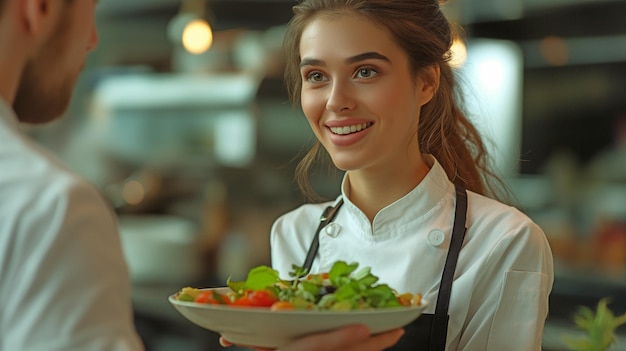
[70, 282]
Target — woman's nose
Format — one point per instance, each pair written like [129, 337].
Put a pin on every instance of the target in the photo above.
[340, 98]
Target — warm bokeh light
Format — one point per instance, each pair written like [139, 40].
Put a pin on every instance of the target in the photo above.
[555, 51]
[133, 192]
[197, 36]
[459, 53]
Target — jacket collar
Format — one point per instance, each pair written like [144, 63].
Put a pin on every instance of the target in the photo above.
[414, 206]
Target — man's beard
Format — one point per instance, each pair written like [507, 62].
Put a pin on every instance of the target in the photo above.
[46, 84]
[37, 103]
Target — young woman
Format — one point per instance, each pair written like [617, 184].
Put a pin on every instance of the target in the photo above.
[374, 82]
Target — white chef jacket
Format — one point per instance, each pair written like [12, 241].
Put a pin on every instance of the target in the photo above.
[64, 284]
[504, 274]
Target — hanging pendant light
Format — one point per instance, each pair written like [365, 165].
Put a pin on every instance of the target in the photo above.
[190, 27]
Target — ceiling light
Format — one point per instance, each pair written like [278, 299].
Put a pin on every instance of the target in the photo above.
[197, 36]
[190, 29]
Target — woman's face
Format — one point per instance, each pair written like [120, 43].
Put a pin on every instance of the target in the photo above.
[359, 95]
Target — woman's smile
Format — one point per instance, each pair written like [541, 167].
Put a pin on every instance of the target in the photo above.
[350, 129]
[348, 134]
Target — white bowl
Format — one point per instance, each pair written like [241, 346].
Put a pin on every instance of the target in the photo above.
[258, 326]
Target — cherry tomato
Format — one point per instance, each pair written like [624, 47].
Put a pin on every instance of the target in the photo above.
[242, 301]
[212, 297]
[262, 298]
[205, 297]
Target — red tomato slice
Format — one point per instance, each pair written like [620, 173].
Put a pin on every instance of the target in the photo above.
[204, 297]
[242, 301]
[212, 297]
[262, 298]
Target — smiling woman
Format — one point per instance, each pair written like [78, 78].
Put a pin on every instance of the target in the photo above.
[362, 78]
[374, 81]
[444, 131]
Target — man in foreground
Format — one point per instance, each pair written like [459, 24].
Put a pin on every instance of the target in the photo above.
[64, 284]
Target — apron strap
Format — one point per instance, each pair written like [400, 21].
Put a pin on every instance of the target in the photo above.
[456, 243]
[327, 217]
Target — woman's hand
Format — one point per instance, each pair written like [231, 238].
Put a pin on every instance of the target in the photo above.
[352, 338]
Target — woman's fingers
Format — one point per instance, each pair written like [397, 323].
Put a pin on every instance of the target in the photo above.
[355, 338]
[379, 341]
[352, 338]
[226, 343]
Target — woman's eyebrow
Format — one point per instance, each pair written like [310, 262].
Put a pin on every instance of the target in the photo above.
[311, 62]
[350, 60]
[367, 56]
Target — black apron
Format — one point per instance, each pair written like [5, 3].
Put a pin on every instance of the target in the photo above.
[429, 331]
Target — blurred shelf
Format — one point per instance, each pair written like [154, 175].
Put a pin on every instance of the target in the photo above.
[589, 282]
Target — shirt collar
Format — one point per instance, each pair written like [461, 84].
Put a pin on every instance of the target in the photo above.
[427, 195]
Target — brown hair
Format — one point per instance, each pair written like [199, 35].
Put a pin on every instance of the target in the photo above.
[420, 27]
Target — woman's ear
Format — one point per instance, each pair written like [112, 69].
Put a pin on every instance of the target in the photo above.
[428, 83]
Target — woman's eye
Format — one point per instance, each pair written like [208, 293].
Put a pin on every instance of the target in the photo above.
[366, 73]
[315, 77]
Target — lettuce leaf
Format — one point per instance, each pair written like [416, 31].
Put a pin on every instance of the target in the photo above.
[259, 278]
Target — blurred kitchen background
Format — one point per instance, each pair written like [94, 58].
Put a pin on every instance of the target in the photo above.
[190, 135]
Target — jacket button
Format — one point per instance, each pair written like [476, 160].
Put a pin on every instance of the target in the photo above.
[332, 230]
[436, 237]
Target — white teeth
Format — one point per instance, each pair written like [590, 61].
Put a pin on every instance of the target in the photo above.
[350, 129]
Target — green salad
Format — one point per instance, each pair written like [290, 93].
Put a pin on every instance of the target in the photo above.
[342, 288]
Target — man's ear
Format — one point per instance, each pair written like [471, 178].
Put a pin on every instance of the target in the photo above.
[37, 14]
[428, 82]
